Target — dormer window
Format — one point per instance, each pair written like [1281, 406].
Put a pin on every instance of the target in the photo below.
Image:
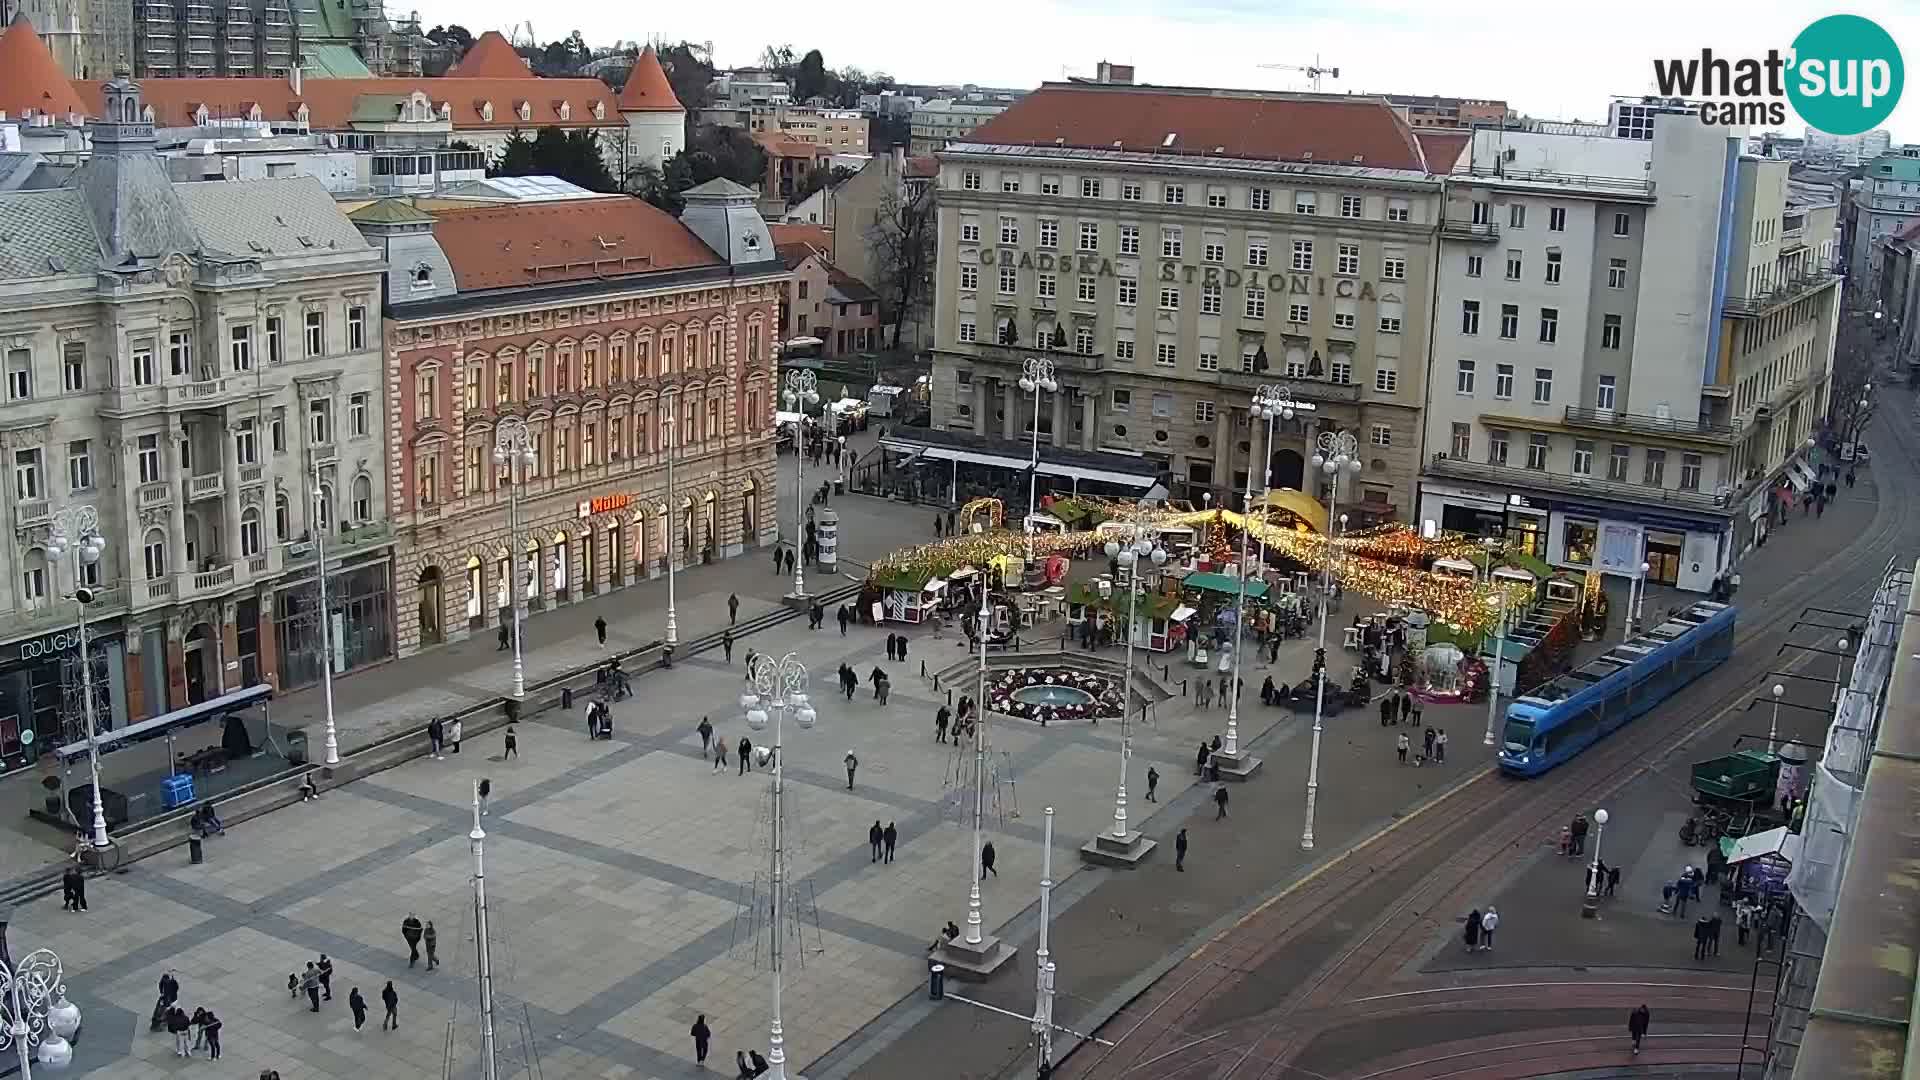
[423, 276]
[199, 115]
[146, 114]
[751, 241]
[444, 110]
[523, 109]
[486, 111]
[599, 110]
[565, 110]
[302, 113]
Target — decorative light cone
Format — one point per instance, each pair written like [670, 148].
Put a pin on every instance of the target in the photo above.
[63, 1018]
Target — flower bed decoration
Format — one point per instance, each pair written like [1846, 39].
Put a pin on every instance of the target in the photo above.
[1104, 695]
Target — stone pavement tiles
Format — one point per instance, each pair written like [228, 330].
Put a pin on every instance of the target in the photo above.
[618, 873]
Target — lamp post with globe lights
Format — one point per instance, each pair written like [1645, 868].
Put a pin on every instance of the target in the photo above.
[40, 1023]
[1339, 453]
[802, 390]
[1121, 845]
[76, 531]
[1497, 601]
[1590, 906]
[1036, 376]
[1773, 725]
[1273, 402]
[1636, 598]
[1840, 667]
[513, 448]
[322, 517]
[780, 687]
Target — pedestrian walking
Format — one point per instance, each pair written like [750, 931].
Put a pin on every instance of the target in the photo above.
[903, 648]
[745, 750]
[702, 1036]
[73, 890]
[844, 617]
[502, 635]
[1579, 834]
[940, 719]
[939, 529]
[1200, 759]
[851, 763]
[436, 736]
[1637, 1022]
[1180, 850]
[600, 628]
[1613, 879]
[986, 861]
[726, 644]
[1742, 919]
[719, 755]
[1386, 710]
[1400, 744]
[888, 838]
[733, 608]
[1220, 802]
[410, 930]
[706, 735]
[210, 1028]
[1406, 705]
[358, 1006]
[1489, 922]
[1471, 932]
[875, 837]
[431, 939]
[1440, 746]
[892, 639]
[1153, 782]
[325, 968]
[1702, 926]
[391, 999]
[453, 734]
[1714, 927]
[310, 985]
[511, 744]
[776, 558]
[178, 1024]
[1427, 743]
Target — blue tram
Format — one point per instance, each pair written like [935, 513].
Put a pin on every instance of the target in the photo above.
[1553, 722]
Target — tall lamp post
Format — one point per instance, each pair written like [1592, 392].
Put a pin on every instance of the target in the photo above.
[1839, 667]
[76, 529]
[1121, 845]
[779, 687]
[476, 842]
[513, 447]
[1590, 906]
[322, 518]
[1773, 725]
[672, 527]
[1636, 598]
[1498, 601]
[1273, 402]
[40, 1022]
[1339, 453]
[802, 390]
[1036, 376]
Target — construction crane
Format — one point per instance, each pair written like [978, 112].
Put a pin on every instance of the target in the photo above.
[1314, 71]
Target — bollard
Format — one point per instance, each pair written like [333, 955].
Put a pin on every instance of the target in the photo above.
[937, 982]
[923, 669]
[1183, 688]
[666, 657]
[566, 698]
[513, 710]
[949, 695]
[196, 853]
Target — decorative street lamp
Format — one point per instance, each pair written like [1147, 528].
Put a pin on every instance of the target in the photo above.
[476, 842]
[1839, 667]
[1121, 845]
[1773, 725]
[802, 391]
[1339, 453]
[779, 687]
[321, 519]
[1590, 907]
[513, 447]
[1273, 402]
[40, 1022]
[77, 529]
[1036, 376]
[1636, 598]
[1498, 601]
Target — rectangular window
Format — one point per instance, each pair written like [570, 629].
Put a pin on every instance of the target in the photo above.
[1463, 376]
[1169, 299]
[1503, 381]
[1049, 233]
[1303, 255]
[141, 362]
[274, 353]
[1389, 324]
[1690, 472]
[1120, 401]
[1537, 448]
[80, 465]
[1549, 325]
[1132, 192]
[1299, 313]
[26, 475]
[1386, 380]
[1083, 340]
[1256, 253]
[1089, 236]
[1509, 321]
[1203, 412]
[1208, 361]
[357, 415]
[1049, 185]
[1616, 273]
[1475, 264]
[969, 282]
[1462, 441]
[1209, 299]
[1654, 473]
[319, 422]
[1393, 268]
[1009, 231]
[1305, 202]
[1045, 286]
[1341, 371]
[1381, 435]
[1496, 446]
[1543, 386]
[179, 353]
[1256, 303]
[1603, 393]
[1609, 331]
[1129, 239]
[1347, 263]
[73, 367]
[1165, 354]
[1482, 213]
[1010, 183]
[1009, 280]
[1173, 194]
[1617, 457]
[1128, 291]
[316, 330]
[1089, 187]
[969, 331]
[1583, 459]
[1163, 405]
[970, 180]
[19, 375]
[1622, 225]
[1344, 320]
[1172, 242]
[1513, 266]
[147, 454]
[246, 447]
[277, 429]
[1350, 206]
[1398, 211]
[1259, 198]
[1216, 252]
[1557, 219]
[1087, 288]
[1553, 268]
[1123, 348]
[1517, 216]
[969, 232]
[1469, 316]
[356, 328]
[1217, 198]
[240, 347]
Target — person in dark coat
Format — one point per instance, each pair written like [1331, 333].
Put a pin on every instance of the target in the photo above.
[760, 1065]
[745, 750]
[888, 837]
[178, 1024]
[744, 1070]
[903, 648]
[1472, 932]
[1180, 850]
[358, 1006]
[1386, 710]
[1200, 759]
[431, 939]
[875, 837]
[325, 970]
[986, 860]
[391, 999]
[73, 890]
[210, 1030]
[1220, 802]
[702, 1036]
[1637, 1022]
[411, 930]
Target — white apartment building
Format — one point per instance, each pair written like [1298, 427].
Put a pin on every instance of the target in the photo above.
[1631, 339]
[1886, 203]
[188, 359]
[941, 121]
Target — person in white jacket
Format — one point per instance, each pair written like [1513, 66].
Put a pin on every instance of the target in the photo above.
[453, 736]
[1488, 924]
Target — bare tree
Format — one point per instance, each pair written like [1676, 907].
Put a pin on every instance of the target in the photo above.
[902, 240]
[1850, 399]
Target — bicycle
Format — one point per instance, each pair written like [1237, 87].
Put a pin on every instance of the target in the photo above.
[100, 860]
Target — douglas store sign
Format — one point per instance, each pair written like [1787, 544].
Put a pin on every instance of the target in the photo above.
[50, 645]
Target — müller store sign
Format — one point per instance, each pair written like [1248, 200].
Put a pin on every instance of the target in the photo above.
[605, 504]
[1173, 273]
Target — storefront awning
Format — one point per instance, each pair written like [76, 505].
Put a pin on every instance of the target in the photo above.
[159, 726]
[936, 585]
[1800, 483]
[1224, 583]
[1183, 613]
[1778, 842]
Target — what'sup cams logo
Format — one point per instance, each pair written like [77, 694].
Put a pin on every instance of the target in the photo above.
[1843, 76]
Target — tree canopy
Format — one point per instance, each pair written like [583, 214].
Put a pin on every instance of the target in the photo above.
[573, 156]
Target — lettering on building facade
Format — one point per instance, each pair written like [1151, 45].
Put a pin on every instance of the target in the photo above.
[1176, 273]
[605, 504]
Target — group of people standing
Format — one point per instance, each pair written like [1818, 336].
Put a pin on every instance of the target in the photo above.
[190, 1034]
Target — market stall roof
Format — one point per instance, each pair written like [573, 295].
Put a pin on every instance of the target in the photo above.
[1152, 605]
[158, 727]
[1455, 565]
[1225, 583]
[1183, 613]
[1301, 505]
[1778, 842]
[1125, 470]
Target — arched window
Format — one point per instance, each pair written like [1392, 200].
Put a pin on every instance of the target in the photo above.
[423, 276]
[156, 554]
[249, 532]
[33, 578]
[362, 499]
[282, 516]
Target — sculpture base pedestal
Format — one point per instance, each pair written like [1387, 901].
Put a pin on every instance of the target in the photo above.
[1122, 853]
[972, 963]
[1237, 767]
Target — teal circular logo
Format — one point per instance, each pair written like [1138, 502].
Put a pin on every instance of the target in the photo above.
[1846, 75]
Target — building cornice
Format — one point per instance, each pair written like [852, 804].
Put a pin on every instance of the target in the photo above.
[1136, 160]
[540, 297]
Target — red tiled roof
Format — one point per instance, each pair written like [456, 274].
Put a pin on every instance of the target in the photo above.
[796, 252]
[816, 236]
[30, 78]
[851, 287]
[924, 167]
[1226, 123]
[503, 246]
[779, 145]
[1442, 148]
[330, 102]
[647, 88]
[492, 57]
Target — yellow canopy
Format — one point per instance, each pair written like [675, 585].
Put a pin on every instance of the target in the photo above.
[1300, 505]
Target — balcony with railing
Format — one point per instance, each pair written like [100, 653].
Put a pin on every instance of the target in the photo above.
[1650, 424]
[1453, 468]
[1615, 188]
[152, 495]
[31, 512]
[108, 602]
[1793, 288]
[202, 394]
[1479, 232]
[219, 578]
[1065, 359]
[209, 486]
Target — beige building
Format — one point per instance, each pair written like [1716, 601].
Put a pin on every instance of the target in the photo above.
[843, 131]
[1186, 247]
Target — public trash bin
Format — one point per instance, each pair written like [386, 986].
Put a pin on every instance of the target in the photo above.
[937, 982]
[196, 850]
[297, 747]
[566, 697]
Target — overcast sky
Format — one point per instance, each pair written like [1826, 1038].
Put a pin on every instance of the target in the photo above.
[1552, 59]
